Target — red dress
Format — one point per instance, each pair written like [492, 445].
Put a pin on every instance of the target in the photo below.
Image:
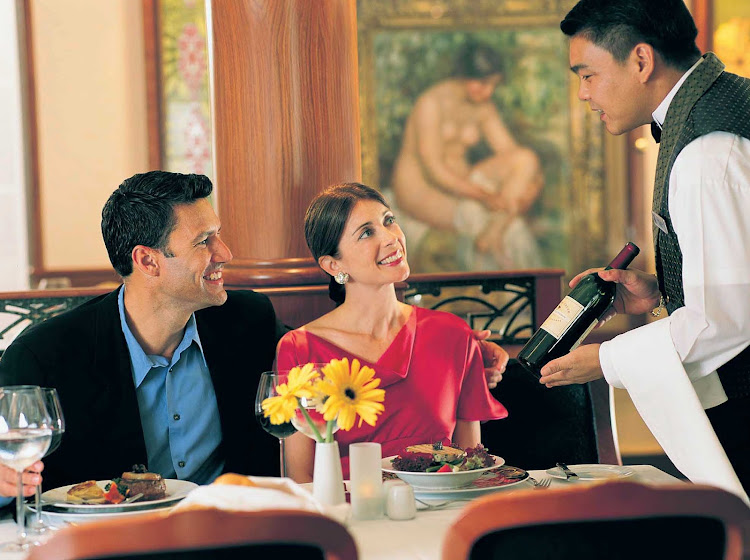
[432, 374]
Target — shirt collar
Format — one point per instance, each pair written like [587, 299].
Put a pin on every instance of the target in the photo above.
[140, 361]
[661, 111]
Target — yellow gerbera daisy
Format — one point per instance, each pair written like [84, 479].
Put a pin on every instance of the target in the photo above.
[351, 392]
[281, 408]
[299, 381]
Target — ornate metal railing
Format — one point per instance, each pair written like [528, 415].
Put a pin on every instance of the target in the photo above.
[505, 303]
[511, 304]
[20, 310]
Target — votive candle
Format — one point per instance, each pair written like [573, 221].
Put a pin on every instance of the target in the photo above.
[366, 480]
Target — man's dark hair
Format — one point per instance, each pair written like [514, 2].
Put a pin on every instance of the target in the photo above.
[619, 25]
[141, 212]
[326, 218]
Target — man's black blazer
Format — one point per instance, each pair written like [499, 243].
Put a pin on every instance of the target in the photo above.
[83, 354]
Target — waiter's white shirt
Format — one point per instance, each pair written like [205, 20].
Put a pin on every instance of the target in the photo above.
[669, 366]
[709, 203]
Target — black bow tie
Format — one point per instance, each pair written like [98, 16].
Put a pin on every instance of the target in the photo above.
[656, 131]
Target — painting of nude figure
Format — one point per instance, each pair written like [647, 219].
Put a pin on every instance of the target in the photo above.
[470, 152]
[472, 129]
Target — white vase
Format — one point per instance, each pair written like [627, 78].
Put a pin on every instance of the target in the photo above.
[328, 481]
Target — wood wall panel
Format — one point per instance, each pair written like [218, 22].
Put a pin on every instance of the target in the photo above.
[286, 122]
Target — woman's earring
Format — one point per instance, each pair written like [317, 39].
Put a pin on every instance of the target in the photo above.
[342, 278]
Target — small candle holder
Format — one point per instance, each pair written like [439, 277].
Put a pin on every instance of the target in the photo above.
[366, 480]
[400, 504]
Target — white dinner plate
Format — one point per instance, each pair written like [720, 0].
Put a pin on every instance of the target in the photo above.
[60, 518]
[56, 499]
[493, 480]
[593, 472]
[438, 480]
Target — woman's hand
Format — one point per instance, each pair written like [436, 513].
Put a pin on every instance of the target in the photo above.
[9, 479]
[495, 358]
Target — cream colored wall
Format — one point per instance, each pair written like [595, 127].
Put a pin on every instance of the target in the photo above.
[14, 262]
[91, 118]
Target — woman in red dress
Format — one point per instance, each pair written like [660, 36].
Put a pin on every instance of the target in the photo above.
[429, 362]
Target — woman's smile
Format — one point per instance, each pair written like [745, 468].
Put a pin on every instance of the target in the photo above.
[393, 259]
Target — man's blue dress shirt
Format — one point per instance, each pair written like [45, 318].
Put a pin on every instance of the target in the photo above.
[177, 405]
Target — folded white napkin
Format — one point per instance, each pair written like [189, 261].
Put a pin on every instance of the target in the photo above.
[666, 400]
[268, 493]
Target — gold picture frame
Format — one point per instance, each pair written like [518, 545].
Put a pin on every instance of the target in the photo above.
[590, 202]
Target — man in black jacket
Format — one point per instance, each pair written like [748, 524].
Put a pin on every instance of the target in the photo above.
[163, 370]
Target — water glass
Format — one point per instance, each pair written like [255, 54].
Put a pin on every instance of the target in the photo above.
[52, 401]
[25, 436]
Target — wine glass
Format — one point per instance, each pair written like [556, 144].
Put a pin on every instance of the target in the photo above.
[269, 380]
[300, 422]
[52, 402]
[25, 436]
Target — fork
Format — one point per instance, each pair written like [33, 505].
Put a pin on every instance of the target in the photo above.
[441, 505]
[540, 484]
[132, 499]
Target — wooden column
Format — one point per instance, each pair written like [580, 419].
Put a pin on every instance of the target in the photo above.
[703, 14]
[286, 125]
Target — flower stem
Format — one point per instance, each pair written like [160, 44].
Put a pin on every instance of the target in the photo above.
[313, 427]
[329, 430]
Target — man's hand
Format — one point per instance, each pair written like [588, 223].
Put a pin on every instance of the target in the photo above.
[495, 358]
[637, 291]
[579, 366]
[9, 479]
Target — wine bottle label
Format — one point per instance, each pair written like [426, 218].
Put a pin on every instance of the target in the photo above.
[561, 318]
[584, 335]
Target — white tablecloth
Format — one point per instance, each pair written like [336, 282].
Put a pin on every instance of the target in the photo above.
[417, 539]
[421, 538]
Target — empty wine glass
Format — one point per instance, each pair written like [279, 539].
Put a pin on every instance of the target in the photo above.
[269, 380]
[54, 409]
[25, 435]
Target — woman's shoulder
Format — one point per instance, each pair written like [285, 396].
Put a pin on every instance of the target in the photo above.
[437, 95]
[433, 318]
[308, 334]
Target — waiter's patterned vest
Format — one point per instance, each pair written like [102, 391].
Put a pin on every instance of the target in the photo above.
[709, 100]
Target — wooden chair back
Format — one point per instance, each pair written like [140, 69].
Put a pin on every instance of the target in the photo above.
[612, 520]
[201, 533]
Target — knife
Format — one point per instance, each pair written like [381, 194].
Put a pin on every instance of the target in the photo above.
[568, 473]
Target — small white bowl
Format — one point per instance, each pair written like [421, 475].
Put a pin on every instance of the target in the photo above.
[436, 480]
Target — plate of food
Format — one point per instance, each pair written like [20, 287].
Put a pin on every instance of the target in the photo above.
[593, 472]
[440, 467]
[108, 496]
[493, 480]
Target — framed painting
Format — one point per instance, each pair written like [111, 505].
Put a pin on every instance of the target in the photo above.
[178, 89]
[472, 128]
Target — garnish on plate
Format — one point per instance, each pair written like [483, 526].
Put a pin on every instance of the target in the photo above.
[428, 457]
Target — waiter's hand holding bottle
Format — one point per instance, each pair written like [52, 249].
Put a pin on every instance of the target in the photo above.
[637, 291]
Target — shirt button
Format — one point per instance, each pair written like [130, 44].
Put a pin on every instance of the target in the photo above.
[170, 370]
[181, 464]
[176, 416]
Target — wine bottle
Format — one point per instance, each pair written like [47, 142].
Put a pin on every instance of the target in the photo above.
[575, 316]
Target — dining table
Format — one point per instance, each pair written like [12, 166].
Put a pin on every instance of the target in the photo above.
[420, 538]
